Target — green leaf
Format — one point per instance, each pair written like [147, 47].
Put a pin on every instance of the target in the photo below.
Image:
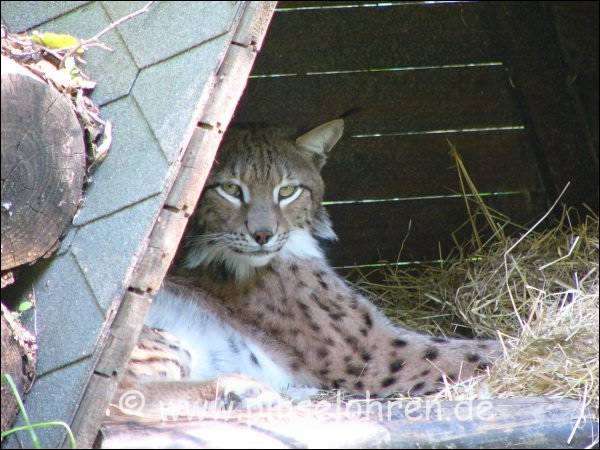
[54, 40]
[25, 306]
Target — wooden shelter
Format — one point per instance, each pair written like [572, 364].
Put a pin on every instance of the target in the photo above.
[512, 85]
[515, 97]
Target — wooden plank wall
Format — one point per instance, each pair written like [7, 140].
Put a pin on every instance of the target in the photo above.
[419, 74]
[575, 23]
[545, 79]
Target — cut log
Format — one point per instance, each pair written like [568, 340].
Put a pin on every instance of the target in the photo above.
[43, 165]
[499, 423]
[18, 360]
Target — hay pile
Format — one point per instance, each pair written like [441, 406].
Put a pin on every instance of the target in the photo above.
[537, 292]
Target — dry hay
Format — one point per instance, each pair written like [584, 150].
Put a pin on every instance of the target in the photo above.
[537, 292]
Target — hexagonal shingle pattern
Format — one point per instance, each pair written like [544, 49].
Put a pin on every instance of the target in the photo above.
[62, 291]
[106, 249]
[113, 71]
[171, 120]
[154, 37]
[52, 399]
[21, 16]
[134, 169]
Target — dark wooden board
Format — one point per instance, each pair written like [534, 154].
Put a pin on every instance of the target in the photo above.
[577, 27]
[373, 232]
[389, 102]
[417, 34]
[405, 166]
[527, 42]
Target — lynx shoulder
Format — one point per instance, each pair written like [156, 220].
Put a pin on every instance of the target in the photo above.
[255, 296]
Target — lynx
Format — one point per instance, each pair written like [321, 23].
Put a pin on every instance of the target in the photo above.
[255, 309]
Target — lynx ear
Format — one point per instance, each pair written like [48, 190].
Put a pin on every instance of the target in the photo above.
[322, 138]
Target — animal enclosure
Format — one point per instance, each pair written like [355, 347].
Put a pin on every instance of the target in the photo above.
[411, 78]
[512, 86]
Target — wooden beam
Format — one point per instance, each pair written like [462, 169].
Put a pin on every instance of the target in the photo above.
[498, 423]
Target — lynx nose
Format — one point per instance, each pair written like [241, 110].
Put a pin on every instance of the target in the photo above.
[262, 237]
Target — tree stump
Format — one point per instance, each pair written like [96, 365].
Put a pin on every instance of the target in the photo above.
[43, 165]
[18, 360]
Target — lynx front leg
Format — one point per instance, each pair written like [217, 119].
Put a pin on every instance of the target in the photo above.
[158, 385]
[164, 401]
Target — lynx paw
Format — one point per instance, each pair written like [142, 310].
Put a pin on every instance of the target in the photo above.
[239, 391]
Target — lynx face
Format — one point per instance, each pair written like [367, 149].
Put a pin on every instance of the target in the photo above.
[263, 200]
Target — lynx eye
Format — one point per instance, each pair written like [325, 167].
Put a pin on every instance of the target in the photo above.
[287, 191]
[232, 189]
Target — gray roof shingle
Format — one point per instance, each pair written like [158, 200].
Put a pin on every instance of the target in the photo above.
[58, 315]
[134, 169]
[52, 398]
[178, 79]
[21, 16]
[172, 28]
[106, 249]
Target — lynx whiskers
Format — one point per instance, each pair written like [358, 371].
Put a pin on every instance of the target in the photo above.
[256, 298]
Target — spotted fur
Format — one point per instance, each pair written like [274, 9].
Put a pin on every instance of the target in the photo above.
[255, 295]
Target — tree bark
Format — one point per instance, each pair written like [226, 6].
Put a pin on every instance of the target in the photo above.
[18, 360]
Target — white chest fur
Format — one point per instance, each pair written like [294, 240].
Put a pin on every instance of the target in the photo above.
[216, 348]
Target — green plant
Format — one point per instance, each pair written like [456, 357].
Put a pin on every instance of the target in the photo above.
[6, 378]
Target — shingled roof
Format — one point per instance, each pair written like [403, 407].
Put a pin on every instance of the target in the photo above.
[169, 88]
